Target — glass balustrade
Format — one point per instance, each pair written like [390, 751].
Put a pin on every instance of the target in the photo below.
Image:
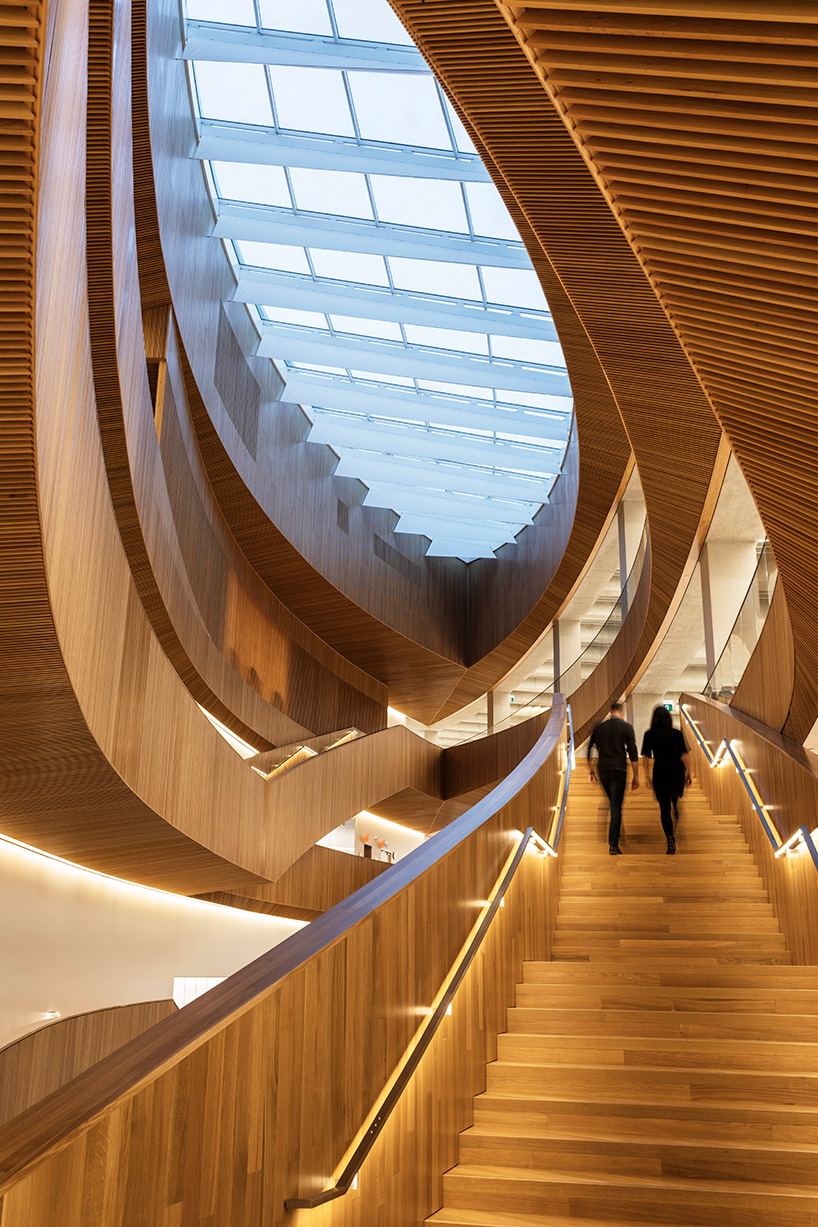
[746, 630]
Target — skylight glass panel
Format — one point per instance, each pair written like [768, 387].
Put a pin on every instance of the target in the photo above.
[331, 191]
[431, 203]
[372, 20]
[399, 108]
[367, 328]
[314, 366]
[256, 184]
[233, 93]
[400, 380]
[435, 276]
[488, 213]
[536, 400]
[525, 350]
[305, 17]
[349, 266]
[447, 338]
[312, 100]
[290, 315]
[458, 389]
[238, 12]
[272, 256]
[462, 139]
[516, 287]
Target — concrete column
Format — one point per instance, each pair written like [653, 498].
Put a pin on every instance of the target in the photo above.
[726, 570]
[499, 708]
[641, 705]
[567, 647]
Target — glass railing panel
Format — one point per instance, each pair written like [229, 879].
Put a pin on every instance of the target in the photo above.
[580, 669]
[746, 630]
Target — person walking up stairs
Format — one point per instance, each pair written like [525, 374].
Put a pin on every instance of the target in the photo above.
[663, 1068]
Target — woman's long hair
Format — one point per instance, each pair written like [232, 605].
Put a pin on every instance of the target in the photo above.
[661, 718]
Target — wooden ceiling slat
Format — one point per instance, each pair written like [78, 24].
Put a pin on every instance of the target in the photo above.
[658, 27]
[701, 135]
[490, 82]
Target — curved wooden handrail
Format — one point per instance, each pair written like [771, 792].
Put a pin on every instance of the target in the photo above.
[347, 1177]
[70, 1111]
[772, 774]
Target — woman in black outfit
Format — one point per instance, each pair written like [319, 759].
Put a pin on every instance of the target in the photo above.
[666, 746]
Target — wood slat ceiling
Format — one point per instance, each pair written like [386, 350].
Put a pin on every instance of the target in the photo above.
[699, 123]
[669, 422]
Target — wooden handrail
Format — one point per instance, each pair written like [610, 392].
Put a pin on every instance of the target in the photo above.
[726, 750]
[345, 1180]
[55, 1121]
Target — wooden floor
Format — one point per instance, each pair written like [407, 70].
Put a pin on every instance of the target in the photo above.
[664, 1067]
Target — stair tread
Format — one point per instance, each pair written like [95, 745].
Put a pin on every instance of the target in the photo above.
[529, 1131]
[682, 1183]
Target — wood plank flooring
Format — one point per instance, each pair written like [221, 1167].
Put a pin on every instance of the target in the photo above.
[663, 1068]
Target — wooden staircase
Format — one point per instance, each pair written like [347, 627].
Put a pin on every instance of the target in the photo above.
[663, 1068]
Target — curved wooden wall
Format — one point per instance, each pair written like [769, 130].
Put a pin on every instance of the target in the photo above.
[671, 428]
[724, 224]
[219, 1104]
[317, 881]
[34, 1066]
[786, 776]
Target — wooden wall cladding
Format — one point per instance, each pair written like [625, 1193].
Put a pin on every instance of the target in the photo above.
[698, 123]
[786, 776]
[37, 1064]
[149, 529]
[317, 881]
[106, 758]
[670, 425]
[766, 686]
[252, 1093]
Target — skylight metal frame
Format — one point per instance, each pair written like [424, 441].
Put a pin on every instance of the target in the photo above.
[486, 446]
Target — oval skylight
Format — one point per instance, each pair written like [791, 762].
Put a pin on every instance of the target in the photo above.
[387, 279]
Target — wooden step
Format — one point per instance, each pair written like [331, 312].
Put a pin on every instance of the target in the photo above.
[573, 931]
[684, 973]
[728, 999]
[505, 1218]
[650, 1084]
[612, 1197]
[788, 1028]
[778, 1126]
[660, 1052]
[510, 1144]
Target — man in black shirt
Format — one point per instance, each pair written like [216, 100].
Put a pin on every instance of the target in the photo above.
[615, 742]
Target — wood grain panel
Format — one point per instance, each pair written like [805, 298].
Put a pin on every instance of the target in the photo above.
[222, 1104]
[34, 1066]
[130, 447]
[699, 126]
[786, 776]
[670, 425]
[317, 881]
[107, 760]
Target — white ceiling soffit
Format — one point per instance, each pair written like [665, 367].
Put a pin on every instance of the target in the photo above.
[388, 282]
